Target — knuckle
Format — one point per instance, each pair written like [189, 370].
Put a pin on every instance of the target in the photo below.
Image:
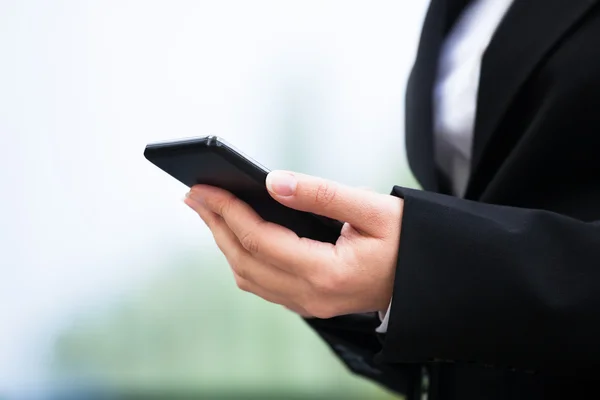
[226, 205]
[238, 262]
[325, 194]
[242, 284]
[240, 270]
[250, 242]
[234, 259]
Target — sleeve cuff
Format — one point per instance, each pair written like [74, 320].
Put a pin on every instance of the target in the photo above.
[385, 318]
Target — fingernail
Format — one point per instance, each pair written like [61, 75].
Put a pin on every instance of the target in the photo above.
[281, 183]
[195, 196]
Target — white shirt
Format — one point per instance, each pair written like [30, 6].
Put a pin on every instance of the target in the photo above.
[455, 93]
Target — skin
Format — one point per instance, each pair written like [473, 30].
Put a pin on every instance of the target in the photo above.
[311, 278]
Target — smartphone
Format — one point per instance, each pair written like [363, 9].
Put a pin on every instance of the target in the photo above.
[211, 161]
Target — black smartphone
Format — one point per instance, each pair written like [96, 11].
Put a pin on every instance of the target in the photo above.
[211, 161]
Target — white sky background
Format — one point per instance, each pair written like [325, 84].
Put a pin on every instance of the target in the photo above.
[84, 85]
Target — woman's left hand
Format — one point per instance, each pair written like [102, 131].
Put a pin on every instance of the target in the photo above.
[309, 277]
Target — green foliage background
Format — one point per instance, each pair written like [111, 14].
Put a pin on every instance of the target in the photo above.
[189, 332]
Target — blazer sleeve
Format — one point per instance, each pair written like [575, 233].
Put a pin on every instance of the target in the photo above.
[353, 339]
[494, 285]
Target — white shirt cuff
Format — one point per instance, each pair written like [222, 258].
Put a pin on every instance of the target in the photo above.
[384, 320]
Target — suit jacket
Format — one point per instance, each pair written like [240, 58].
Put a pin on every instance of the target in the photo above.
[497, 295]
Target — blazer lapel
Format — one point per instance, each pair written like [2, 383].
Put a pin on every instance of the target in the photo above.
[529, 31]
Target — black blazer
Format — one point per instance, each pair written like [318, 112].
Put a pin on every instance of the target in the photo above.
[497, 296]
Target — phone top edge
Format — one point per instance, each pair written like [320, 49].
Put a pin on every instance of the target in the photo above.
[209, 141]
[182, 141]
[220, 142]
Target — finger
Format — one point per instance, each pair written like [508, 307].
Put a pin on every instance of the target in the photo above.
[244, 265]
[263, 277]
[209, 218]
[256, 275]
[257, 290]
[266, 241]
[364, 210]
[251, 287]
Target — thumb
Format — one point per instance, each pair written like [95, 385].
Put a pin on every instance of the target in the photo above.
[365, 210]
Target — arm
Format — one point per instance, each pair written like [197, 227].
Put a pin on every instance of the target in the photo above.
[494, 285]
[471, 282]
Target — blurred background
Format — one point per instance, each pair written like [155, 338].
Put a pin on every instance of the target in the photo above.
[109, 286]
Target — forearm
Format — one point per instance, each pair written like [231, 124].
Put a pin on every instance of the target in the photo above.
[494, 285]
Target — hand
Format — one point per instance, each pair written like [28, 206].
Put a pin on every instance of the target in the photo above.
[309, 277]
